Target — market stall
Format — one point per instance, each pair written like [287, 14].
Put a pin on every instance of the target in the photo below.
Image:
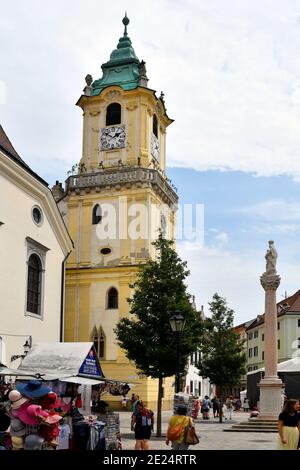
[70, 375]
[288, 372]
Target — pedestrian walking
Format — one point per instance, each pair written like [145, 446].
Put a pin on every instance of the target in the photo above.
[196, 408]
[215, 406]
[124, 401]
[205, 407]
[142, 424]
[289, 426]
[177, 428]
[246, 405]
[136, 400]
[132, 400]
[229, 407]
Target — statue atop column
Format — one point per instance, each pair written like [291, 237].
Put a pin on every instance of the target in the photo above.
[270, 278]
[271, 258]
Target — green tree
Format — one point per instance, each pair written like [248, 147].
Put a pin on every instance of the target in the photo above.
[222, 352]
[146, 337]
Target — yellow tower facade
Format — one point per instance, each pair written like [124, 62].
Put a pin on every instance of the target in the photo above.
[115, 202]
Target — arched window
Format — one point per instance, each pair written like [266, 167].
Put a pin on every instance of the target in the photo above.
[97, 215]
[155, 126]
[101, 345]
[113, 114]
[34, 285]
[112, 298]
[96, 342]
[98, 339]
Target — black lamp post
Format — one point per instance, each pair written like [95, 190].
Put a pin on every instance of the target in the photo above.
[177, 322]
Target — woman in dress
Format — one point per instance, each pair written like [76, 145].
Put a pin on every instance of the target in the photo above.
[142, 425]
[289, 426]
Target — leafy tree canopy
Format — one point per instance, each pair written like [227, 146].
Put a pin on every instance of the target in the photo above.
[222, 352]
[146, 335]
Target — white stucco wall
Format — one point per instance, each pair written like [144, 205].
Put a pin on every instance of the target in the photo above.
[201, 386]
[16, 214]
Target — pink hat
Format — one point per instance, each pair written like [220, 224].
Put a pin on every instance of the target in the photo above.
[16, 399]
[29, 414]
[53, 418]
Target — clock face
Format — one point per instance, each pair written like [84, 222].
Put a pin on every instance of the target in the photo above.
[155, 147]
[112, 137]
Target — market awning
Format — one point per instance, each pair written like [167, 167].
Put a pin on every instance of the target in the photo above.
[82, 380]
[291, 365]
[60, 360]
[17, 372]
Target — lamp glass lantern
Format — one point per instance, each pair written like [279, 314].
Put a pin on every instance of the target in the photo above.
[177, 322]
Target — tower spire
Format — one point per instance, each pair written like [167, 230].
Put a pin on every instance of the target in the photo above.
[125, 22]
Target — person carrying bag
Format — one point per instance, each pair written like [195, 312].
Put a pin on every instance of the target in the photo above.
[190, 436]
[181, 431]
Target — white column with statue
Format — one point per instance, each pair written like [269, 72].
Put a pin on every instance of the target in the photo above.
[270, 385]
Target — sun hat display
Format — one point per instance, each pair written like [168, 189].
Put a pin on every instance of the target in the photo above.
[53, 418]
[17, 428]
[17, 442]
[33, 442]
[14, 413]
[30, 414]
[16, 399]
[33, 389]
[4, 421]
[50, 401]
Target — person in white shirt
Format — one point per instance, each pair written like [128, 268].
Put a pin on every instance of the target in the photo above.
[63, 437]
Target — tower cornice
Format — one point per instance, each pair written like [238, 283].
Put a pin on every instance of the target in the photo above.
[128, 177]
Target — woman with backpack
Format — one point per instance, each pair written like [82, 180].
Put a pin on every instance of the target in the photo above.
[177, 428]
[142, 424]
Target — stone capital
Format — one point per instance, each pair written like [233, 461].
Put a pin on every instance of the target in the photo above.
[270, 281]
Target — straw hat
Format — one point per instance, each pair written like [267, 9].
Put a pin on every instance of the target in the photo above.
[16, 399]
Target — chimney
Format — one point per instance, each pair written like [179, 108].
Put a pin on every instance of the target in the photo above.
[58, 190]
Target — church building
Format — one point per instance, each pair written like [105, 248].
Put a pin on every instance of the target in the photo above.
[114, 203]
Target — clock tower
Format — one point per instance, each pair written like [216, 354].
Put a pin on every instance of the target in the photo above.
[115, 201]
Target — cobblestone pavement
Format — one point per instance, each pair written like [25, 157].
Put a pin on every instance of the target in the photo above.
[210, 433]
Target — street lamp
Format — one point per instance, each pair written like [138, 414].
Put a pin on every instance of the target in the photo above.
[26, 347]
[177, 323]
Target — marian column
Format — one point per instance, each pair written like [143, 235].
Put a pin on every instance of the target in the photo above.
[270, 385]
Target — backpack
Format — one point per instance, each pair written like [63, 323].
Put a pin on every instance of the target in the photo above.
[175, 432]
[144, 420]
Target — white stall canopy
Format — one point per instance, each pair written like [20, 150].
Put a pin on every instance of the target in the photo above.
[70, 362]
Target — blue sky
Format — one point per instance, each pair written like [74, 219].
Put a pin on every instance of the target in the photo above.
[241, 213]
[230, 72]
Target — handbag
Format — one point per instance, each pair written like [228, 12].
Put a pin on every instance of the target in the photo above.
[190, 436]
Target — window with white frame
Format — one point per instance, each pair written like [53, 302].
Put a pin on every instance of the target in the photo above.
[36, 262]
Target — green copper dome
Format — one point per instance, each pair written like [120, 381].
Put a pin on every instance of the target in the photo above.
[123, 67]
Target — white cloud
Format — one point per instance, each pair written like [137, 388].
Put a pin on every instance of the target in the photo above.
[229, 70]
[222, 238]
[273, 210]
[271, 229]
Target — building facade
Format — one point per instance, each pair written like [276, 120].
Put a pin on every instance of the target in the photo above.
[288, 329]
[34, 244]
[114, 206]
[195, 384]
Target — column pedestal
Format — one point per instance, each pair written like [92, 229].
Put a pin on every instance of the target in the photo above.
[270, 398]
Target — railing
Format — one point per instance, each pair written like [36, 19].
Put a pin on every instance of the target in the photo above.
[121, 176]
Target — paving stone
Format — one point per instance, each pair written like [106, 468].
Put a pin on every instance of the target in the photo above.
[210, 432]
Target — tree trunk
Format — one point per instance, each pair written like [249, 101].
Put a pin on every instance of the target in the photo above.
[221, 404]
[159, 400]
